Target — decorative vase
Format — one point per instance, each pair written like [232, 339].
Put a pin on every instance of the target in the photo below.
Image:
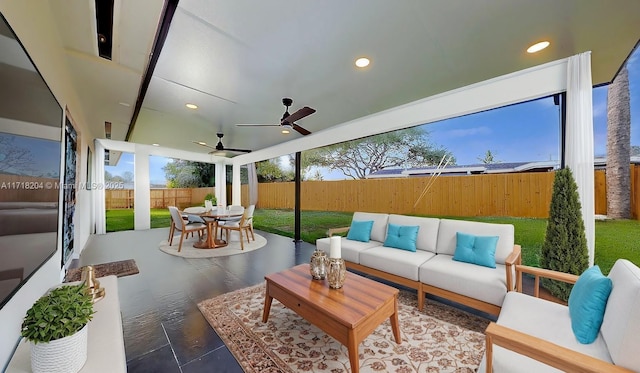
[318, 265]
[337, 273]
[92, 284]
[64, 355]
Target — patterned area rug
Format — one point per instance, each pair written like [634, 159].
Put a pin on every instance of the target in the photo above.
[438, 339]
[188, 251]
[120, 269]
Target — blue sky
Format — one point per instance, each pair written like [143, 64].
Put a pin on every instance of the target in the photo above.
[523, 132]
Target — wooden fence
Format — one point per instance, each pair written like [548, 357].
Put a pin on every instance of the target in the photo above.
[160, 198]
[514, 194]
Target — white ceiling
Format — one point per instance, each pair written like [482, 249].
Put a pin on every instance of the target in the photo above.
[237, 59]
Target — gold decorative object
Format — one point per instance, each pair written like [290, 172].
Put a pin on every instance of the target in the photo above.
[318, 265]
[337, 273]
[93, 285]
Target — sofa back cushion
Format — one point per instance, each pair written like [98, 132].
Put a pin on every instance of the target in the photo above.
[427, 233]
[621, 324]
[379, 229]
[447, 236]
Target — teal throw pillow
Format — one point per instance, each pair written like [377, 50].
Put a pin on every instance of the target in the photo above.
[401, 237]
[360, 230]
[587, 302]
[480, 250]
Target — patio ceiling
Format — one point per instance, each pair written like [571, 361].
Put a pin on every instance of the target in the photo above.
[237, 59]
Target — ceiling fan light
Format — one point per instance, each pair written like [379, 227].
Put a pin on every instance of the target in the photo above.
[286, 131]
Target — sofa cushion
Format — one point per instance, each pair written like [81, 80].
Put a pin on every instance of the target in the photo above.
[427, 233]
[379, 230]
[350, 249]
[480, 250]
[398, 262]
[482, 283]
[587, 302]
[543, 319]
[360, 230]
[401, 237]
[447, 236]
[621, 323]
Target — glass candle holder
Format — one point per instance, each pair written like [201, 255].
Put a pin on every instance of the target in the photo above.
[318, 265]
[337, 273]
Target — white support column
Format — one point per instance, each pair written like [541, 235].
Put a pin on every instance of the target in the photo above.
[221, 184]
[98, 193]
[141, 189]
[579, 140]
[236, 185]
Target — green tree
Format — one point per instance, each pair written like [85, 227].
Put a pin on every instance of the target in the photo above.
[565, 245]
[181, 174]
[188, 174]
[489, 158]
[358, 158]
[270, 171]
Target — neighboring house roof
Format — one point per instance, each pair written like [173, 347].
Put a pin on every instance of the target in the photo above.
[492, 168]
[467, 169]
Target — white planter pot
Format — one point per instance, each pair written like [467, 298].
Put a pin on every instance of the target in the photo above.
[65, 355]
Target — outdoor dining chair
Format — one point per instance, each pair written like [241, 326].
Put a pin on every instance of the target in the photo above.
[238, 226]
[179, 224]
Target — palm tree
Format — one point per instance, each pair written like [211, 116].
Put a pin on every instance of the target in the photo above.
[619, 147]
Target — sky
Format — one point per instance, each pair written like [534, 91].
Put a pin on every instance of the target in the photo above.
[518, 133]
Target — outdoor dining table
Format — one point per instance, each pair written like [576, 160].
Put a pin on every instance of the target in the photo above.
[212, 218]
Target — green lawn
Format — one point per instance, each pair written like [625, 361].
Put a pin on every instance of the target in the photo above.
[614, 238]
[122, 220]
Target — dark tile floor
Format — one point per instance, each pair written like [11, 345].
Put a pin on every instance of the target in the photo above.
[164, 330]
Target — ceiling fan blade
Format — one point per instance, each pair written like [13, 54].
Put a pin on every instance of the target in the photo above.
[238, 150]
[301, 130]
[257, 125]
[205, 145]
[301, 113]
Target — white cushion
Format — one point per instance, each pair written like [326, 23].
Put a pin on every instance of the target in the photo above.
[543, 319]
[398, 262]
[427, 233]
[350, 249]
[621, 324]
[479, 282]
[447, 236]
[379, 229]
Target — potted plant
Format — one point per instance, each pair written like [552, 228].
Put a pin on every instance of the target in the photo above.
[211, 197]
[56, 327]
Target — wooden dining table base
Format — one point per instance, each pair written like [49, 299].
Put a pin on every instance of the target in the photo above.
[348, 314]
[212, 241]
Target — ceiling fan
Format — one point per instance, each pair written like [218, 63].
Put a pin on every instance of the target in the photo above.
[287, 121]
[219, 149]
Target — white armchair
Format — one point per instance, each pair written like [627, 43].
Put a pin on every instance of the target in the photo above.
[535, 335]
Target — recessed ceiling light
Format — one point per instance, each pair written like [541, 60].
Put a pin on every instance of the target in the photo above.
[155, 144]
[362, 62]
[537, 47]
[191, 106]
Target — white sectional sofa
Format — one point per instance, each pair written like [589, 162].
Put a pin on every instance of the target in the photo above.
[532, 328]
[431, 268]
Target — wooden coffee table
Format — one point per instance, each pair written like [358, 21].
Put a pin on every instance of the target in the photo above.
[348, 314]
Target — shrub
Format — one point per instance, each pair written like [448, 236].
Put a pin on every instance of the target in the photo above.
[565, 245]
